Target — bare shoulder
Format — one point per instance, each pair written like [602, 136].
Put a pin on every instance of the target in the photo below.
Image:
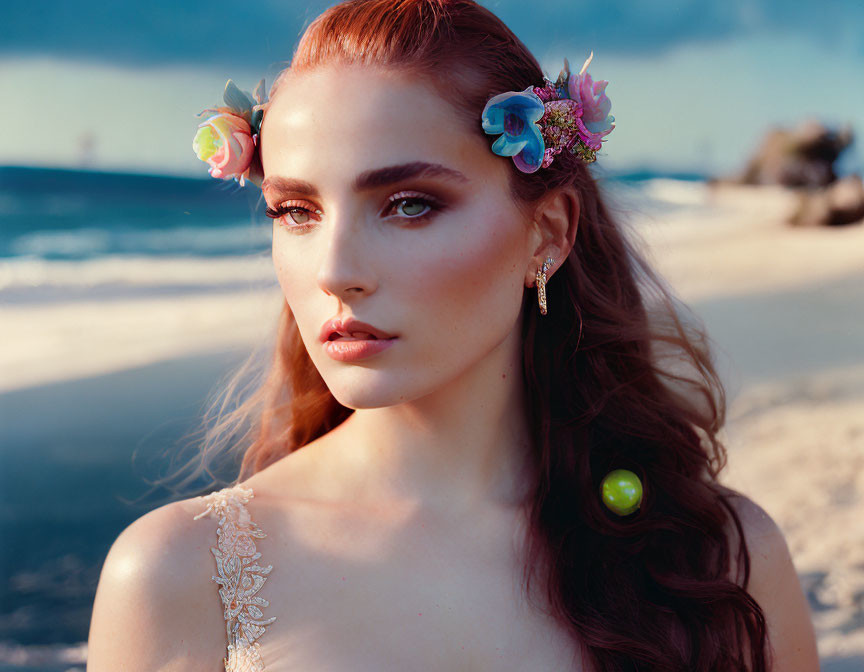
[761, 532]
[774, 585]
[156, 606]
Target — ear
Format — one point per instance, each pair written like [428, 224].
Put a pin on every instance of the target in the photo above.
[556, 220]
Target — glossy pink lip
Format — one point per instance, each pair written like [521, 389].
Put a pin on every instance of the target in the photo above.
[335, 327]
[345, 350]
[338, 343]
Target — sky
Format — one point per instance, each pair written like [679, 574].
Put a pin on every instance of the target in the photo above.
[694, 84]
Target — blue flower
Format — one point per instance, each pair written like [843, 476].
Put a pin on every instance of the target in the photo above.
[514, 114]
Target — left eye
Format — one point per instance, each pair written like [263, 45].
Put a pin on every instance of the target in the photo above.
[412, 206]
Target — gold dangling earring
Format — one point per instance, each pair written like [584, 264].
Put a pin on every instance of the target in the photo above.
[541, 283]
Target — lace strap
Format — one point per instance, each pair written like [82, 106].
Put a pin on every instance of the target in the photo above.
[240, 576]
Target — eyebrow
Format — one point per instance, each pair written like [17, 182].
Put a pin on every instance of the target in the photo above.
[369, 179]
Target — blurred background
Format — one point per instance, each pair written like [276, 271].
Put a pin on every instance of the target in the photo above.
[131, 282]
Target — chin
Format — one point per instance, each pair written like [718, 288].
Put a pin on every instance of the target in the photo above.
[355, 398]
[365, 388]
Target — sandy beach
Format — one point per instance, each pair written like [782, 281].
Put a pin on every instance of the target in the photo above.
[784, 306]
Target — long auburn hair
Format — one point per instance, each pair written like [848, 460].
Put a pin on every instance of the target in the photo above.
[646, 591]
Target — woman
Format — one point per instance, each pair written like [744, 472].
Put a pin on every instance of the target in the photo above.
[432, 438]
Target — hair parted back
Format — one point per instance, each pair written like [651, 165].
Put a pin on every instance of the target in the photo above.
[649, 591]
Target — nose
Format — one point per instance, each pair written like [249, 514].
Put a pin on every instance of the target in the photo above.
[345, 266]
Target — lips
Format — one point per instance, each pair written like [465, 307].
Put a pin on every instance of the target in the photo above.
[351, 329]
[354, 336]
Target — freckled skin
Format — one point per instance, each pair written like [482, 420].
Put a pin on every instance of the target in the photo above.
[450, 287]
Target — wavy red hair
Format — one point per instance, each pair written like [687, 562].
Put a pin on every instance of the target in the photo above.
[599, 396]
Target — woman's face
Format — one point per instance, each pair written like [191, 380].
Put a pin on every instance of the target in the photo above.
[437, 257]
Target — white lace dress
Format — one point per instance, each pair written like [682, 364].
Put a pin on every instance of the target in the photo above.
[239, 576]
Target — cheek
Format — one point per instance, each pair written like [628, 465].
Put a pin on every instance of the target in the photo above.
[281, 263]
[470, 283]
[290, 269]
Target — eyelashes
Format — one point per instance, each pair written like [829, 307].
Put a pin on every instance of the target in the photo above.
[280, 211]
[409, 199]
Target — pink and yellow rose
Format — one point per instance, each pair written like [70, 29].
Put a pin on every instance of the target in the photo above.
[225, 142]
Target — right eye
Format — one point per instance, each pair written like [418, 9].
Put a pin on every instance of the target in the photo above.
[299, 215]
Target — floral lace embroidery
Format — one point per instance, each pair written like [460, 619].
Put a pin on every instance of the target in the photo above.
[239, 576]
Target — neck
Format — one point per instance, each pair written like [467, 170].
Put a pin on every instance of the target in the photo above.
[462, 446]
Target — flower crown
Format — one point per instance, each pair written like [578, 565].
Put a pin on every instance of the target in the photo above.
[227, 140]
[538, 123]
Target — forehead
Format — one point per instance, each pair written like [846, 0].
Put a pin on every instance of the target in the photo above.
[352, 118]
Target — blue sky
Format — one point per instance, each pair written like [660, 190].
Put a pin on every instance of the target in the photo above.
[694, 85]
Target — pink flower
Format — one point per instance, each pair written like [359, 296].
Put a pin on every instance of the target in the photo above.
[547, 92]
[225, 142]
[595, 105]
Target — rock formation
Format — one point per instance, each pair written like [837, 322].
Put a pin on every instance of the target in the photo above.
[802, 159]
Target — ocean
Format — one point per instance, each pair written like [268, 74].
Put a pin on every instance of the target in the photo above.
[73, 235]
[69, 233]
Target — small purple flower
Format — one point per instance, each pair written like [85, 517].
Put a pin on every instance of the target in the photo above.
[561, 127]
[514, 114]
